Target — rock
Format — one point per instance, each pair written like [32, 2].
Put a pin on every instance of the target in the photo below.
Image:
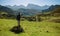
[0, 30]
[17, 29]
[47, 31]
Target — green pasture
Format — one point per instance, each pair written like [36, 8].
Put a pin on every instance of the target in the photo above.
[43, 28]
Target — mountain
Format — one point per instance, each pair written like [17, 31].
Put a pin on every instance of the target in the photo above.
[37, 7]
[51, 8]
[30, 9]
[28, 12]
[15, 7]
[32, 6]
[45, 7]
[5, 9]
[29, 6]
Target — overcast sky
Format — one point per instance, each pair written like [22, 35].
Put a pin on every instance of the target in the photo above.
[25, 2]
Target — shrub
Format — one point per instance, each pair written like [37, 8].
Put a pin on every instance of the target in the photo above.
[56, 20]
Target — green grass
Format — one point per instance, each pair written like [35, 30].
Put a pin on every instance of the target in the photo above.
[30, 28]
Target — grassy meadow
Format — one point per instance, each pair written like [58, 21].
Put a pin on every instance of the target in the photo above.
[43, 28]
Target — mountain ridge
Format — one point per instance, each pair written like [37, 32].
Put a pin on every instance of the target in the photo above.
[51, 8]
[29, 6]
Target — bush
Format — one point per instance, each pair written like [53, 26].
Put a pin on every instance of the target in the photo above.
[56, 20]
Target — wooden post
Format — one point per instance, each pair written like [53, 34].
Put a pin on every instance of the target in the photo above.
[17, 29]
[18, 19]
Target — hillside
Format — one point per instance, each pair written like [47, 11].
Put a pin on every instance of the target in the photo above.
[28, 12]
[56, 12]
[6, 9]
[51, 8]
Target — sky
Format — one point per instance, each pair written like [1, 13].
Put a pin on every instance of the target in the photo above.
[26, 2]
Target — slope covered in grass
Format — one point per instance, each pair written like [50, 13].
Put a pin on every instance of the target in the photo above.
[43, 28]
